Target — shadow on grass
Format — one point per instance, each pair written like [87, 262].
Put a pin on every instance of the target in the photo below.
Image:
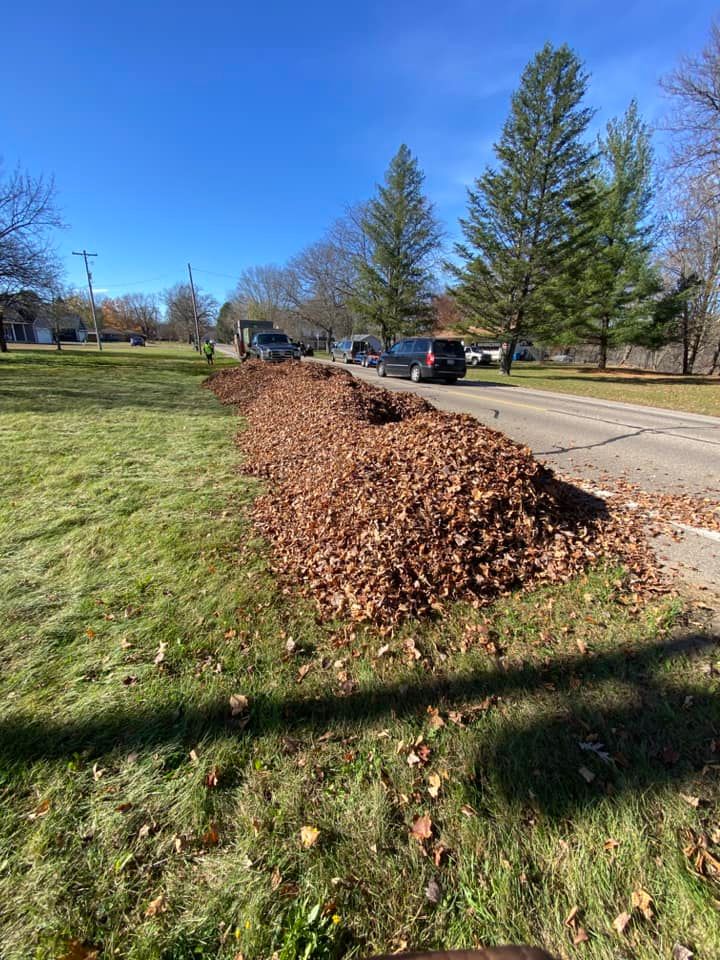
[661, 733]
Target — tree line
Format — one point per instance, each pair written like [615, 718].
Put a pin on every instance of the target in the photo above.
[567, 238]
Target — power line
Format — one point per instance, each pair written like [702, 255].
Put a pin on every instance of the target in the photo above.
[84, 254]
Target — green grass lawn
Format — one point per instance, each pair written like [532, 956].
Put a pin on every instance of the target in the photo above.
[692, 394]
[562, 757]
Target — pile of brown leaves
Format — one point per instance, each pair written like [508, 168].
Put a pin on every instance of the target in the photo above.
[380, 506]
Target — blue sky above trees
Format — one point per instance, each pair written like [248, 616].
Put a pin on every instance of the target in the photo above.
[233, 134]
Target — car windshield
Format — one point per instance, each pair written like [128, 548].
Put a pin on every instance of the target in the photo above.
[450, 348]
[273, 338]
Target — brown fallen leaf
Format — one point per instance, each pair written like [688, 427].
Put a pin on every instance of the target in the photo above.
[239, 704]
[434, 784]
[580, 936]
[41, 810]
[422, 828]
[156, 906]
[620, 922]
[97, 771]
[90, 633]
[611, 844]
[433, 892]
[412, 759]
[212, 778]
[435, 721]
[79, 950]
[582, 646]
[144, 831]
[679, 952]
[160, 655]
[691, 801]
[642, 901]
[309, 836]
[124, 807]
[211, 837]
[587, 775]
[303, 672]
[275, 879]
[571, 918]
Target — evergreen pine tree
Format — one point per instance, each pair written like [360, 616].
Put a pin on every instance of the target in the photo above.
[527, 220]
[619, 285]
[394, 278]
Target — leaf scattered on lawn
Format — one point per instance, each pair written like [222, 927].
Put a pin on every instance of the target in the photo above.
[156, 906]
[422, 828]
[642, 901]
[433, 892]
[691, 801]
[79, 950]
[124, 807]
[679, 952]
[620, 922]
[239, 705]
[303, 672]
[41, 810]
[212, 777]
[587, 775]
[160, 655]
[434, 783]
[309, 836]
[211, 837]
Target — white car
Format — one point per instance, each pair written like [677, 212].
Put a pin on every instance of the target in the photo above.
[561, 358]
[477, 358]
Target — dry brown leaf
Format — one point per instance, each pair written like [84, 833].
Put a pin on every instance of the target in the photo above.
[434, 783]
[124, 807]
[580, 936]
[309, 836]
[435, 721]
[611, 844]
[587, 775]
[422, 828]
[571, 918]
[98, 771]
[211, 837]
[691, 801]
[303, 672]
[79, 950]
[160, 655]
[41, 810]
[239, 704]
[642, 901]
[412, 759]
[212, 777]
[679, 952]
[157, 906]
[620, 922]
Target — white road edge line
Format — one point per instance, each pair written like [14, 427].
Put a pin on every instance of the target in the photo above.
[632, 505]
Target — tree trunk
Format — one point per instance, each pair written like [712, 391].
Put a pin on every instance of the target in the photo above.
[604, 326]
[3, 341]
[685, 341]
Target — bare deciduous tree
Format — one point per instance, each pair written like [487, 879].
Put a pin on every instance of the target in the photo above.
[179, 316]
[27, 259]
[263, 292]
[692, 264]
[694, 120]
[139, 311]
[318, 283]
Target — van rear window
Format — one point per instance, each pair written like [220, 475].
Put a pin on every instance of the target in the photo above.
[448, 348]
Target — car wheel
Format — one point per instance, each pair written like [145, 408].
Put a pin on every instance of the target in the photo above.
[450, 380]
[474, 362]
[381, 370]
[415, 374]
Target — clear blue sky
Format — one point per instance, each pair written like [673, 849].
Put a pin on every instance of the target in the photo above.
[230, 134]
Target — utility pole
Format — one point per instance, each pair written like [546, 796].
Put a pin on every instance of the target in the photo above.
[84, 254]
[197, 325]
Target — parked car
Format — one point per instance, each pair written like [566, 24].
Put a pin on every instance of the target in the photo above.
[475, 357]
[347, 349]
[561, 358]
[136, 340]
[424, 358]
[273, 346]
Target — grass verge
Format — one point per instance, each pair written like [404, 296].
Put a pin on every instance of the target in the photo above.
[694, 394]
[469, 781]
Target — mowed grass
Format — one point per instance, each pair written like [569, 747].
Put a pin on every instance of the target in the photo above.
[565, 758]
[695, 394]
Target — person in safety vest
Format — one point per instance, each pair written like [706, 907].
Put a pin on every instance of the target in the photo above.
[209, 351]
